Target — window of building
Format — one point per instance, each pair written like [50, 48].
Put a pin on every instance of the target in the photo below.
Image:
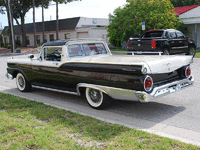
[18, 38]
[5, 40]
[38, 39]
[51, 37]
[27, 40]
[45, 38]
[67, 36]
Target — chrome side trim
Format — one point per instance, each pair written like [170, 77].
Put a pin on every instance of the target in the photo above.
[55, 90]
[9, 76]
[179, 47]
[132, 95]
[115, 93]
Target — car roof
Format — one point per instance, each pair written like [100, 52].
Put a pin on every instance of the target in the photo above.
[162, 30]
[64, 42]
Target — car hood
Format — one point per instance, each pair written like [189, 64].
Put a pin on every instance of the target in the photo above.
[154, 64]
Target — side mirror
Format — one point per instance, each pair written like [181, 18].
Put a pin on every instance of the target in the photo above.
[31, 56]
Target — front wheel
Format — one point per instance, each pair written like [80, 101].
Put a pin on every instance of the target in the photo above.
[165, 51]
[22, 83]
[192, 51]
[96, 98]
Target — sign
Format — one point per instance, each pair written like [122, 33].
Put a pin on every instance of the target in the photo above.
[143, 25]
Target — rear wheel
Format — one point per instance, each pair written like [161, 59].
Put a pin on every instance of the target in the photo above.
[165, 51]
[22, 83]
[96, 98]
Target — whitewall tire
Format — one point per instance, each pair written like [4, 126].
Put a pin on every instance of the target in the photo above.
[22, 83]
[96, 98]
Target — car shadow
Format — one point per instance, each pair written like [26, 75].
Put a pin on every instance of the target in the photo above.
[152, 111]
[119, 111]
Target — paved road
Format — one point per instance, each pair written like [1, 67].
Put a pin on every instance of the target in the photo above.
[176, 116]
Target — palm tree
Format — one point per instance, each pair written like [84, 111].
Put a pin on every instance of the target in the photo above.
[57, 22]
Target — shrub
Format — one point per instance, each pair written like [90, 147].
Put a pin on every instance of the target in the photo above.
[127, 21]
[8, 46]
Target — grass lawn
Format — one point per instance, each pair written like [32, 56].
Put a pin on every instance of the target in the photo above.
[197, 55]
[27, 124]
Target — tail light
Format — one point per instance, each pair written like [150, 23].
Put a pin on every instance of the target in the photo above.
[128, 44]
[148, 83]
[153, 43]
[187, 72]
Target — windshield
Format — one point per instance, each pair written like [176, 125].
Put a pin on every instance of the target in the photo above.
[86, 49]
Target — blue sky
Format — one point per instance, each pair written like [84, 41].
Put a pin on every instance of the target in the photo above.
[84, 8]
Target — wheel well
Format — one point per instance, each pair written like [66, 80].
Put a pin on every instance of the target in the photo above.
[82, 90]
[15, 73]
[192, 45]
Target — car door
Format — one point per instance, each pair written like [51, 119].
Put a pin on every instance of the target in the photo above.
[46, 69]
[182, 42]
[174, 42]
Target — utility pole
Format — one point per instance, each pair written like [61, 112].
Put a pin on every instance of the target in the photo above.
[34, 26]
[11, 24]
[42, 21]
[57, 21]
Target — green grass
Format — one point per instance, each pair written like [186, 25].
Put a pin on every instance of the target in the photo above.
[26, 124]
[197, 55]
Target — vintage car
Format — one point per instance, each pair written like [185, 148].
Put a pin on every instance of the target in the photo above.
[87, 66]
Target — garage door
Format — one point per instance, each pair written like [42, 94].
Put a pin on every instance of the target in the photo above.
[82, 35]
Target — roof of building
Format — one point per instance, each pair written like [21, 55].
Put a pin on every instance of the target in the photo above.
[64, 24]
[183, 9]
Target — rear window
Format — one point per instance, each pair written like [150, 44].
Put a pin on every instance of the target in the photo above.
[86, 49]
[153, 34]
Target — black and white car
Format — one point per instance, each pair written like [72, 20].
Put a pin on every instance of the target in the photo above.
[88, 67]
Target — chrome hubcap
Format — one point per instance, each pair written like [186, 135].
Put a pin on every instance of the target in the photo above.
[21, 81]
[192, 51]
[166, 52]
[95, 95]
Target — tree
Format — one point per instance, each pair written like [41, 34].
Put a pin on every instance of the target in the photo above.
[127, 21]
[57, 23]
[179, 3]
[20, 8]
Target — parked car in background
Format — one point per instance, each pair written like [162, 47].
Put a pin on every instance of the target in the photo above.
[168, 41]
[86, 66]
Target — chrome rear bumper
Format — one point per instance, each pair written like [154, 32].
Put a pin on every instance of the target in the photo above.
[164, 90]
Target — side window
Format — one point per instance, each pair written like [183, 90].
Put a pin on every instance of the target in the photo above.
[52, 53]
[172, 35]
[166, 34]
[146, 35]
[86, 49]
[180, 35]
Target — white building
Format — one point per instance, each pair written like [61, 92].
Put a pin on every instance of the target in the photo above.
[79, 27]
[191, 18]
